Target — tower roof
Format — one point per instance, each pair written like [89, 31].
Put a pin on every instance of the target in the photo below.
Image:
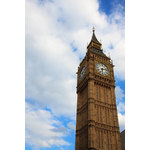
[94, 39]
[94, 42]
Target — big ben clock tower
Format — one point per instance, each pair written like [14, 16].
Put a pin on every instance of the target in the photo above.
[97, 125]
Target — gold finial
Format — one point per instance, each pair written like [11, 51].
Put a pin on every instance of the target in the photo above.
[93, 29]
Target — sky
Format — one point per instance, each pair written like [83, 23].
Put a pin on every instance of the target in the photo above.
[56, 37]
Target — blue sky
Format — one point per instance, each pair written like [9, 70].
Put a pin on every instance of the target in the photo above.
[107, 6]
[57, 34]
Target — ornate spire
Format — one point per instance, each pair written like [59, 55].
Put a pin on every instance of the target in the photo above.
[94, 39]
[94, 42]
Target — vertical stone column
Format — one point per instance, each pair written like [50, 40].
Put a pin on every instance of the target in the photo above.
[110, 141]
[100, 114]
[115, 111]
[103, 115]
[113, 141]
[109, 116]
[112, 102]
[91, 116]
[105, 140]
[116, 141]
[112, 96]
[100, 134]
[91, 105]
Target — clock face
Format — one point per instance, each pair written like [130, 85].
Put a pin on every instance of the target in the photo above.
[102, 69]
[82, 72]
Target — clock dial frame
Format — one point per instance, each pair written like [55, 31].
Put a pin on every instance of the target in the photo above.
[102, 69]
[82, 72]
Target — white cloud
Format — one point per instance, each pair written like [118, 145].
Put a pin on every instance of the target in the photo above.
[52, 28]
[121, 107]
[41, 130]
[119, 93]
[121, 121]
[50, 65]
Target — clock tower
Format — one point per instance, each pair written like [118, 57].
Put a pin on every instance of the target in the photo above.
[97, 125]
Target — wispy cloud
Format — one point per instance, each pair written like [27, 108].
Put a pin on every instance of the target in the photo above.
[119, 93]
[42, 130]
[121, 107]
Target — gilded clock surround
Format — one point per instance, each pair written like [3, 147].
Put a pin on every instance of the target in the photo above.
[97, 125]
[100, 70]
